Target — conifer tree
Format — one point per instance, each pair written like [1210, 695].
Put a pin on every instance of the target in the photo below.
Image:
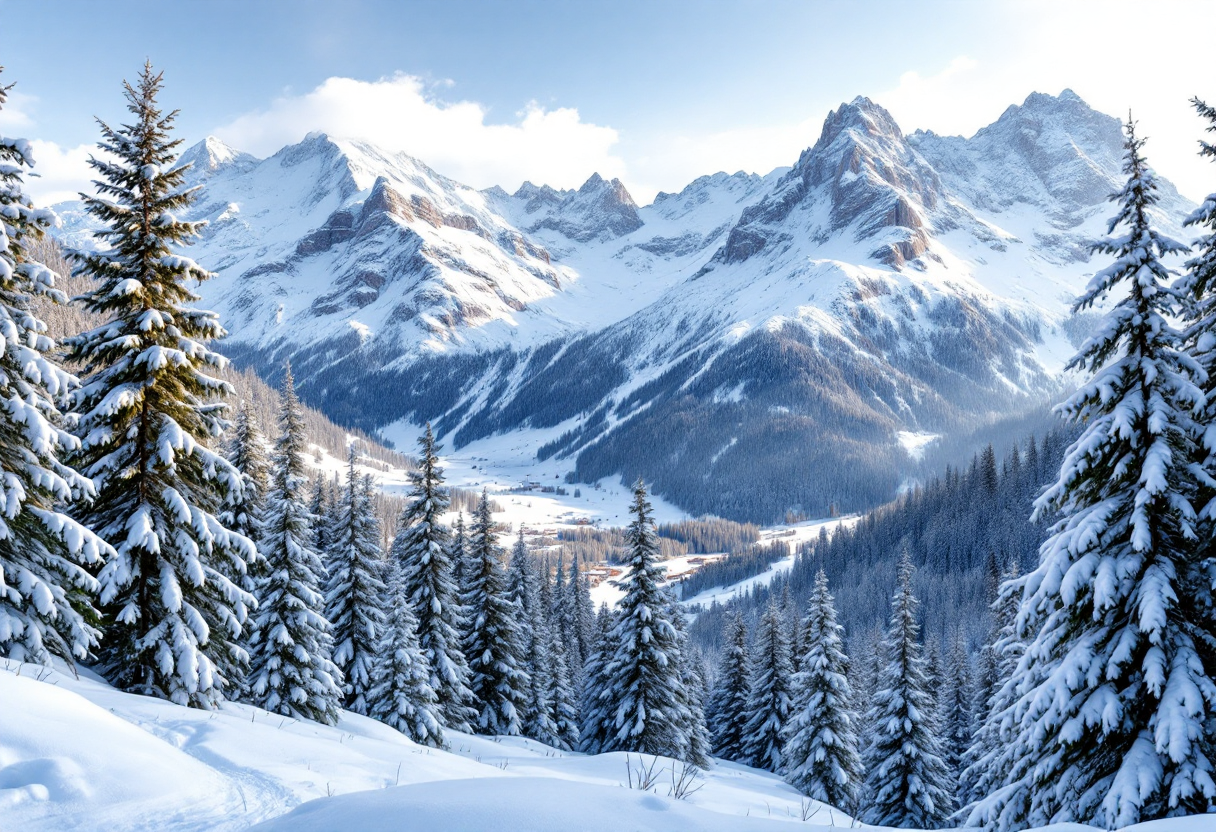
[1198, 288]
[523, 591]
[1114, 698]
[460, 557]
[320, 507]
[243, 514]
[985, 763]
[644, 687]
[577, 613]
[401, 694]
[693, 728]
[769, 704]
[147, 414]
[821, 747]
[954, 710]
[560, 697]
[293, 673]
[45, 589]
[906, 782]
[729, 703]
[497, 674]
[247, 453]
[423, 548]
[355, 594]
[597, 707]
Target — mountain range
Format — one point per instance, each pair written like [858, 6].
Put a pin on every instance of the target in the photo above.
[752, 345]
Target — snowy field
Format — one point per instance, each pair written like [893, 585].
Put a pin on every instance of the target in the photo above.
[78, 755]
[504, 462]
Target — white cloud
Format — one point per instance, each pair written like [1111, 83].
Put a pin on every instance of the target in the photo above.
[60, 174]
[555, 147]
[15, 114]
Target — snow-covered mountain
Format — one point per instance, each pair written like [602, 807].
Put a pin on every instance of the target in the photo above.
[752, 344]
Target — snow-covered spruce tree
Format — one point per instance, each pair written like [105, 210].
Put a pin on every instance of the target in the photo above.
[243, 514]
[459, 552]
[986, 765]
[321, 507]
[729, 701]
[578, 613]
[355, 594]
[907, 783]
[247, 453]
[821, 746]
[1198, 287]
[401, 694]
[147, 413]
[596, 709]
[643, 682]
[1114, 698]
[497, 674]
[561, 698]
[293, 672]
[46, 591]
[422, 547]
[533, 625]
[692, 702]
[954, 711]
[769, 704]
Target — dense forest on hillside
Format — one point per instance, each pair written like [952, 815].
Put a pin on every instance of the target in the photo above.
[961, 529]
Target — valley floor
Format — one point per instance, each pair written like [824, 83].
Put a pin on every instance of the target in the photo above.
[77, 754]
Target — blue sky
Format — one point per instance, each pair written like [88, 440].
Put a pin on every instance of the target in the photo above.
[656, 93]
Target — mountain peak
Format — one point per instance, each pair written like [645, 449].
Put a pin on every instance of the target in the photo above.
[211, 155]
[860, 114]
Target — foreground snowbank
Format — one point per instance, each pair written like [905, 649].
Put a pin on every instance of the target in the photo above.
[77, 754]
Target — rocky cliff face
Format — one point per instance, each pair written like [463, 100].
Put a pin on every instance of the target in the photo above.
[751, 344]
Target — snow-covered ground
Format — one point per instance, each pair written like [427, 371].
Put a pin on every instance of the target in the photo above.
[792, 535]
[77, 754]
[507, 461]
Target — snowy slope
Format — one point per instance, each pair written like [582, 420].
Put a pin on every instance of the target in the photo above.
[801, 322]
[76, 754]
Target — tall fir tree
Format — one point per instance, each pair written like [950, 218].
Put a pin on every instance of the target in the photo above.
[596, 709]
[729, 703]
[401, 693]
[355, 594]
[247, 454]
[243, 514]
[497, 667]
[422, 547]
[644, 687]
[1114, 698]
[954, 711]
[523, 590]
[821, 747]
[46, 590]
[320, 506]
[561, 698]
[769, 704]
[906, 779]
[696, 729]
[147, 414]
[293, 673]
[1198, 288]
[985, 763]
